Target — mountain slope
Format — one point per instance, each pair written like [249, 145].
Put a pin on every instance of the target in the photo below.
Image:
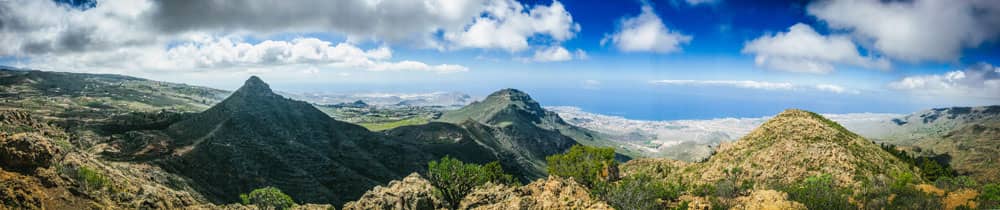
[520, 130]
[256, 138]
[797, 144]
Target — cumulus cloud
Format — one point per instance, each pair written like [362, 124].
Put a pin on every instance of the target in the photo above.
[646, 33]
[507, 25]
[45, 27]
[761, 85]
[914, 30]
[205, 36]
[555, 53]
[980, 80]
[220, 54]
[802, 49]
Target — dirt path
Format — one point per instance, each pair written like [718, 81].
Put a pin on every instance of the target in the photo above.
[184, 150]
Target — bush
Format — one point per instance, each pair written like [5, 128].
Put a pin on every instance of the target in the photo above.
[589, 166]
[268, 197]
[990, 196]
[637, 191]
[819, 192]
[91, 179]
[454, 179]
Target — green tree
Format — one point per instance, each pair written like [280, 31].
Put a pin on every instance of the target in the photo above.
[638, 191]
[819, 192]
[588, 165]
[454, 179]
[268, 197]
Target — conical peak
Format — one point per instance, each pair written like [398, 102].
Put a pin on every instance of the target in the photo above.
[255, 86]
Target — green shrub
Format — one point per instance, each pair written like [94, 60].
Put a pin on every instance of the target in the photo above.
[819, 192]
[454, 179]
[908, 197]
[638, 192]
[91, 179]
[588, 165]
[989, 197]
[268, 197]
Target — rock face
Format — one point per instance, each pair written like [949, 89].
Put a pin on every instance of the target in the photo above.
[411, 193]
[767, 200]
[550, 193]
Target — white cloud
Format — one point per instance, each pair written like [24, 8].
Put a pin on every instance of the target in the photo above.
[507, 25]
[554, 53]
[914, 30]
[980, 80]
[761, 85]
[730, 83]
[802, 49]
[835, 89]
[646, 33]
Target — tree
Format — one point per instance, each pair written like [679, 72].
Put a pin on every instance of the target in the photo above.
[990, 196]
[588, 165]
[268, 197]
[453, 179]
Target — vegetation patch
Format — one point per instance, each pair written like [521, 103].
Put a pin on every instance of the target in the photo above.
[268, 198]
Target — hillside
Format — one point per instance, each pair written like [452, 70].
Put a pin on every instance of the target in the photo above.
[971, 150]
[77, 95]
[790, 147]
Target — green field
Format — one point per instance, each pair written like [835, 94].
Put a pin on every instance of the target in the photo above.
[380, 126]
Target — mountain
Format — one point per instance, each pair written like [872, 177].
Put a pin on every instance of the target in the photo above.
[256, 138]
[786, 149]
[963, 137]
[442, 99]
[931, 123]
[515, 125]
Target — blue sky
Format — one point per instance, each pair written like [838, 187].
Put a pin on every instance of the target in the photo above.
[676, 59]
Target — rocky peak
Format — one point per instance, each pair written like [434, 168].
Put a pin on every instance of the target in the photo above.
[254, 86]
[413, 192]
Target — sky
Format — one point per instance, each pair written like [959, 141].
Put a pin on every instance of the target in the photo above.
[670, 59]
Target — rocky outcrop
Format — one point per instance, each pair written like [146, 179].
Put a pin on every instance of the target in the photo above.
[766, 200]
[411, 193]
[25, 142]
[26, 151]
[550, 193]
